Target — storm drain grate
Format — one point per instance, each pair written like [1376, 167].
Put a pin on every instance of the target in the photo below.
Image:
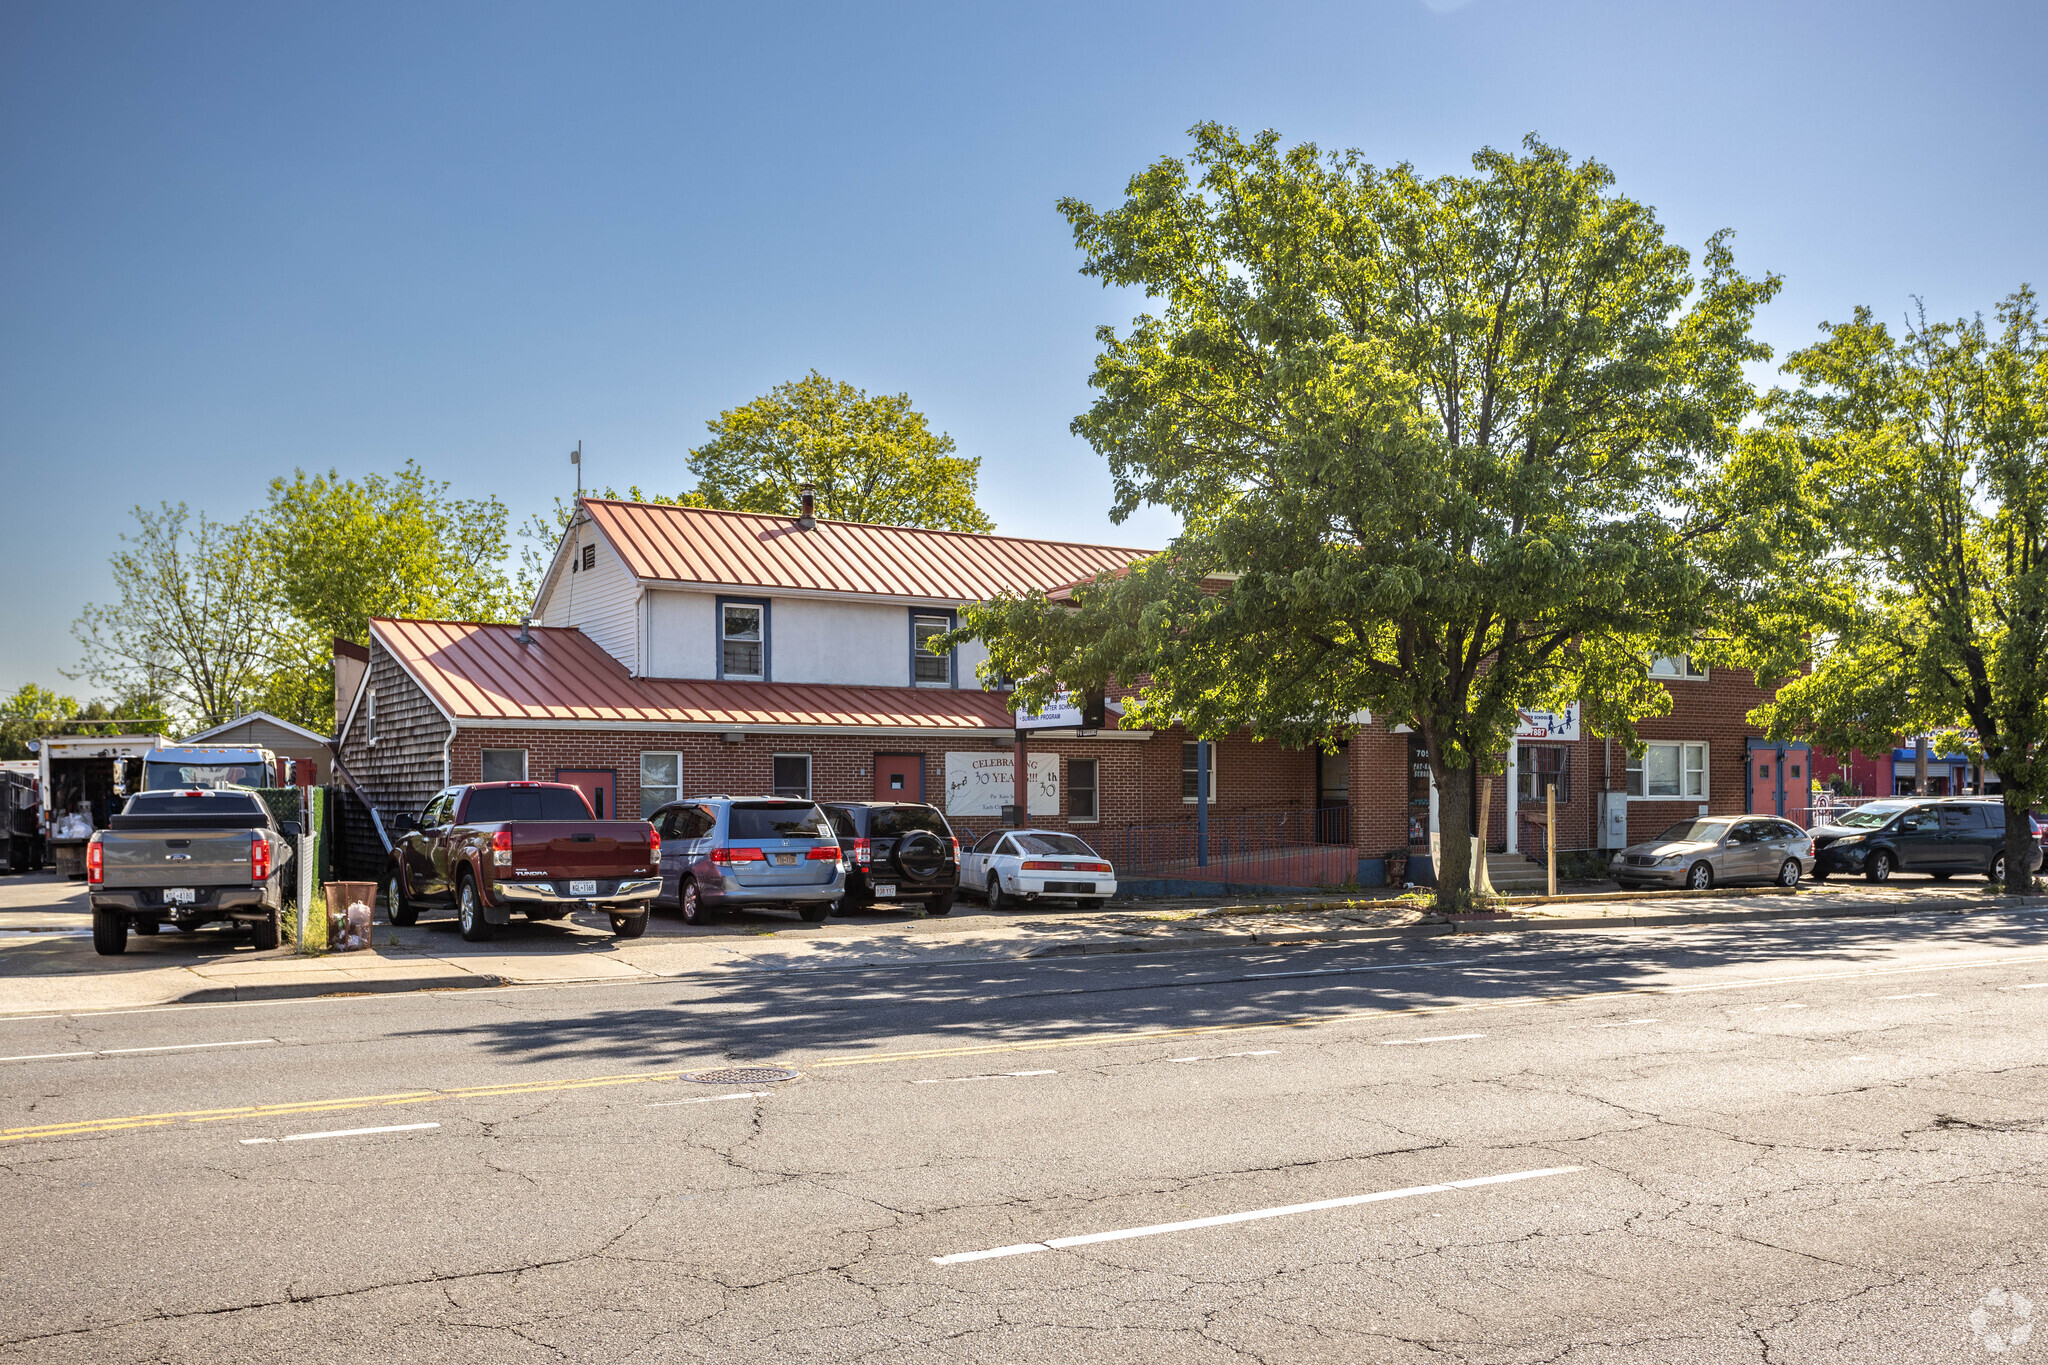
[742, 1075]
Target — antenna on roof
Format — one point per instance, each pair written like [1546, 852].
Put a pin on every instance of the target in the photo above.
[576, 458]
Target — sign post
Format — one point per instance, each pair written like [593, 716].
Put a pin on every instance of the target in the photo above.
[1065, 711]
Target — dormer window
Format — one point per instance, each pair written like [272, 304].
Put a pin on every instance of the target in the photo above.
[743, 641]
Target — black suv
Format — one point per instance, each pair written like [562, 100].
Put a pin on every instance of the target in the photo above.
[895, 851]
[1937, 836]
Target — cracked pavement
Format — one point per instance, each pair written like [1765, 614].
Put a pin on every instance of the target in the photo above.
[1795, 1142]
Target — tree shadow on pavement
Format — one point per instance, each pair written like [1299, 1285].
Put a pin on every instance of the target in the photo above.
[753, 1012]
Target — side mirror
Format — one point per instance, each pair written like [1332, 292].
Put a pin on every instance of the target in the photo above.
[290, 829]
[402, 823]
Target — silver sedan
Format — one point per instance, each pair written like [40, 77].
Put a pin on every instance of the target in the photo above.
[1712, 850]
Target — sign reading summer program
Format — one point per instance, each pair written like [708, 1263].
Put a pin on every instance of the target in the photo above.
[983, 782]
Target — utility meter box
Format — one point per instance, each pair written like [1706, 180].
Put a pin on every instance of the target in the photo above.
[1613, 820]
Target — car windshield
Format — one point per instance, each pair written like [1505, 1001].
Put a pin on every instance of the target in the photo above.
[193, 803]
[1060, 845]
[1696, 832]
[777, 820]
[1871, 816]
[492, 805]
[890, 822]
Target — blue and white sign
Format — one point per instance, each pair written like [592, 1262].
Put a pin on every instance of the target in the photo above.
[1552, 725]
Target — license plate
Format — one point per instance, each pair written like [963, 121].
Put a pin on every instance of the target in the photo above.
[179, 895]
[885, 889]
[583, 888]
[787, 860]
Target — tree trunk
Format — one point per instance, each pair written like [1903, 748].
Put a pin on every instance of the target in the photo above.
[2019, 843]
[1454, 835]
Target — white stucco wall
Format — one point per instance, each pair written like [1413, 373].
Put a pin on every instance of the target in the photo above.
[862, 643]
[682, 631]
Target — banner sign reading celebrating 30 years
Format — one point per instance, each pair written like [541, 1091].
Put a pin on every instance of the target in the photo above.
[982, 783]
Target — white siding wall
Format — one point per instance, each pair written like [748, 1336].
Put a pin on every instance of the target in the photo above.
[681, 635]
[839, 642]
[601, 601]
[966, 659]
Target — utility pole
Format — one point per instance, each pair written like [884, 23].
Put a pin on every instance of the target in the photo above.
[1920, 765]
[576, 458]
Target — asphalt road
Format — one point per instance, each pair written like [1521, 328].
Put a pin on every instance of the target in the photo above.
[1789, 1142]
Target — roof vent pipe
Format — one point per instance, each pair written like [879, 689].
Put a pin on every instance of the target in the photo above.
[525, 632]
[808, 518]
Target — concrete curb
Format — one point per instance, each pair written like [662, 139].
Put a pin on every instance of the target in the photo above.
[313, 990]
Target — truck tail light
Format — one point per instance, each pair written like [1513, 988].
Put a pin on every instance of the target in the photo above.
[259, 859]
[862, 852]
[95, 863]
[956, 849]
[654, 848]
[822, 853]
[738, 855]
[501, 848]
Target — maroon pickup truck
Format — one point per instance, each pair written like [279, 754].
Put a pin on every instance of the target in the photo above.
[490, 848]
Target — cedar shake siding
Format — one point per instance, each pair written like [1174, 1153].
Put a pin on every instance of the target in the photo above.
[401, 766]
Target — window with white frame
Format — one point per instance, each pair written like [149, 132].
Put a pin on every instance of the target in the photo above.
[930, 667]
[1190, 782]
[1676, 666]
[661, 781]
[1669, 771]
[504, 765]
[742, 641]
[370, 716]
[1082, 801]
[792, 775]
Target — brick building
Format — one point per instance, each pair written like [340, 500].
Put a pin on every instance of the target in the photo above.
[684, 651]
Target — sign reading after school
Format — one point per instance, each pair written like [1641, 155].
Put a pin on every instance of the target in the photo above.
[1553, 725]
[982, 783]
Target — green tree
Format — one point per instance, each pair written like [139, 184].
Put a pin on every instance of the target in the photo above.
[191, 626]
[32, 712]
[1924, 592]
[1441, 449]
[335, 552]
[870, 459]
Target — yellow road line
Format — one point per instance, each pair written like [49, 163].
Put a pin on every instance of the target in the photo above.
[84, 1127]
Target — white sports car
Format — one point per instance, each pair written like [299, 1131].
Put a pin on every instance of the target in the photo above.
[1012, 865]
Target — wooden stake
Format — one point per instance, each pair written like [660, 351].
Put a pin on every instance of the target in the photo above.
[1550, 836]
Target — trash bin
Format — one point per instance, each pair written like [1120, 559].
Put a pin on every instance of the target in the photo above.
[351, 909]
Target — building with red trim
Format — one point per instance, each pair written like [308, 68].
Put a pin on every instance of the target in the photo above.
[684, 650]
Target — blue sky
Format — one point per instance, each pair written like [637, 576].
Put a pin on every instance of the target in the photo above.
[239, 239]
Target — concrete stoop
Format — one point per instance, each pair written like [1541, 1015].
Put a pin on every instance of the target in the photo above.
[1514, 872]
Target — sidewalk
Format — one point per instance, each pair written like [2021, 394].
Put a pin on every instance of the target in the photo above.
[47, 963]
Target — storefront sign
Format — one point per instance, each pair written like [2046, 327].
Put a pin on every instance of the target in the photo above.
[1553, 725]
[982, 783]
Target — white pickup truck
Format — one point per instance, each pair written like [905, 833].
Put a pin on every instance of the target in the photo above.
[187, 857]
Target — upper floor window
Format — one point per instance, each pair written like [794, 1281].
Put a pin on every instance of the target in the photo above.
[1676, 666]
[930, 667]
[743, 641]
[370, 716]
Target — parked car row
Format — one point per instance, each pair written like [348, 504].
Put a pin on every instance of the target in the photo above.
[1938, 837]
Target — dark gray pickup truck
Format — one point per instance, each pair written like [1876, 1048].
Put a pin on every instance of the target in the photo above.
[186, 857]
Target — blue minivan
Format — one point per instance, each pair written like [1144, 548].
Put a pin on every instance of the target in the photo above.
[721, 852]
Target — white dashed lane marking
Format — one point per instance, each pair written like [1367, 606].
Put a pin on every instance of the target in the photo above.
[131, 1051]
[1441, 1038]
[713, 1099]
[1916, 995]
[1221, 1056]
[993, 1076]
[1285, 1211]
[1624, 1023]
[342, 1132]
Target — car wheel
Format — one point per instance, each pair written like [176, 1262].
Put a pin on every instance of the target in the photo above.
[1879, 868]
[264, 933]
[692, 903]
[147, 926]
[940, 905]
[1700, 876]
[475, 928]
[997, 898]
[813, 912]
[401, 910]
[1788, 875]
[1997, 873]
[629, 926]
[109, 933]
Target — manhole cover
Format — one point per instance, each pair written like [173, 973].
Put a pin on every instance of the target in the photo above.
[742, 1075]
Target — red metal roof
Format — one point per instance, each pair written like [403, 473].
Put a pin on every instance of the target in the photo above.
[755, 550]
[482, 673]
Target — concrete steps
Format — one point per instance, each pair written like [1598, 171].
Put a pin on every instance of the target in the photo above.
[1514, 872]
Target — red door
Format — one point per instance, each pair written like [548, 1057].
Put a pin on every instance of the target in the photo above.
[899, 777]
[599, 788]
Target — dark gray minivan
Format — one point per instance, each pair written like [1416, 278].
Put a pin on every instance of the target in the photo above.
[763, 851]
[1917, 834]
